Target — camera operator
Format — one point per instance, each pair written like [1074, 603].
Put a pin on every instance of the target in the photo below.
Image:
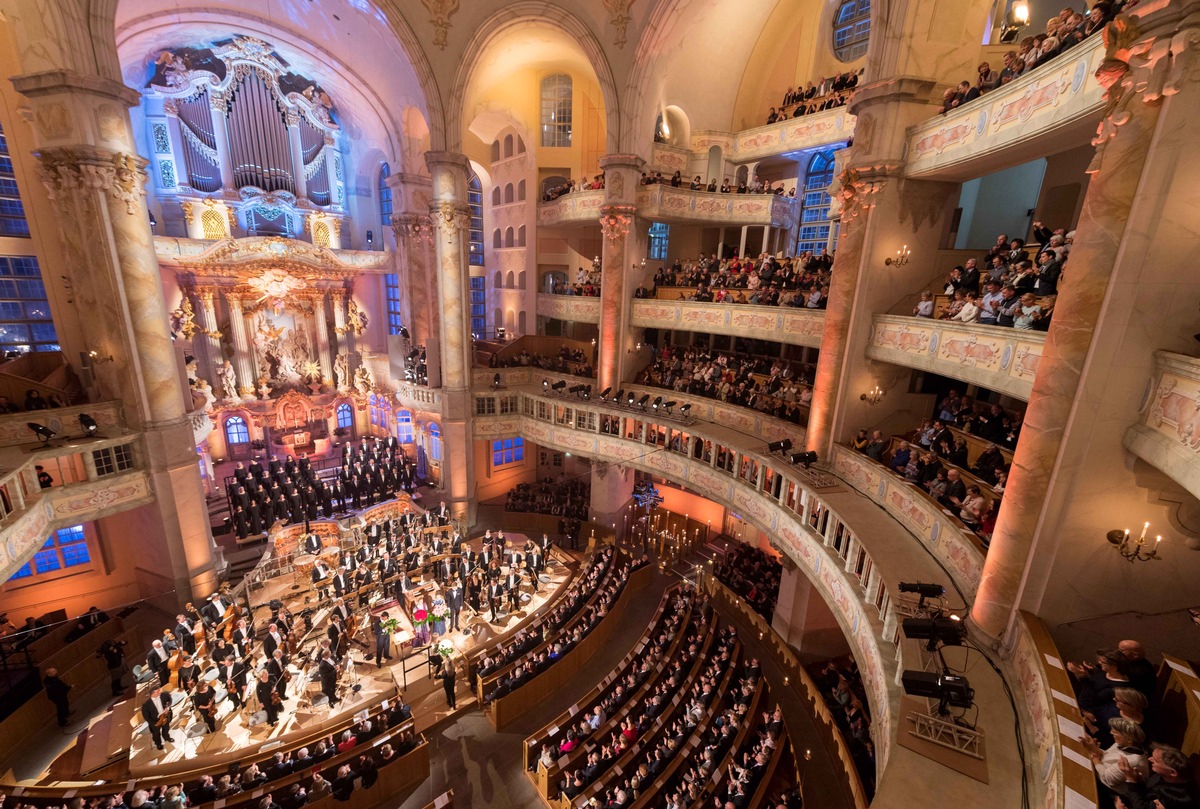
[113, 652]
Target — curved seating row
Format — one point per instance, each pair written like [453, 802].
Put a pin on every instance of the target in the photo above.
[625, 687]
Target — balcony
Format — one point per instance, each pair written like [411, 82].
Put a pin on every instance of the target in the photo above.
[577, 208]
[176, 252]
[1168, 436]
[571, 308]
[92, 477]
[662, 203]
[793, 135]
[1054, 106]
[801, 327]
[998, 358]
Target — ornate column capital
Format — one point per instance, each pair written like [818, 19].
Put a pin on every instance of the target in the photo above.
[454, 159]
[412, 227]
[451, 218]
[856, 191]
[615, 221]
[66, 171]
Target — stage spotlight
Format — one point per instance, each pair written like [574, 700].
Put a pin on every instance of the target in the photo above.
[42, 432]
[947, 689]
[687, 408]
[559, 385]
[667, 406]
[642, 402]
[604, 394]
[545, 385]
[780, 446]
[587, 391]
[943, 631]
[657, 402]
[632, 397]
[805, 459]
[922, 589]
[88, 424]
[404, 332]
[495, 381]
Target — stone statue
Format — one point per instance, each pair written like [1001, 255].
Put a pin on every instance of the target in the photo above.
[203, 397]
[341, 372]
[229, 381]
[183, 319]
[362, 380]
[191, 369]
[264, 388]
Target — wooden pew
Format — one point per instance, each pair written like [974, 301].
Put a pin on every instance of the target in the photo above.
[1179, 704]
[504, 710]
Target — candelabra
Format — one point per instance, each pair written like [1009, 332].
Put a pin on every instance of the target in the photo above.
[1134, 550]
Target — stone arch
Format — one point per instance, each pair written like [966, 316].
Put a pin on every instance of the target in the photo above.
[511, 17]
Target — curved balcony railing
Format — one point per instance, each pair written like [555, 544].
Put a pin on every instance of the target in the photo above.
[572, 209]
[1000, 359]
[1168, 435]
[793, 135]
[662, 203]
[801, 327]
[571, 308]
[1061, 98]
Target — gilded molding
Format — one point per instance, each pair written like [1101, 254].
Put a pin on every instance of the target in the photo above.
[450, 218]
[440, 12]
[615, 221]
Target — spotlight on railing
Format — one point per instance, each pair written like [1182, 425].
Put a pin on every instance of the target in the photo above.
[780, 446]
[642, 402]
[657, 402]
[559, 385]
[88, 424]
[667, 406]
[41, 431]
[604, 394]
[632, 398]
[496, 382]
[805, 459]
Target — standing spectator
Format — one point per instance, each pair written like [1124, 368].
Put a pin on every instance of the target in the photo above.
[57, 692]
[448, 684]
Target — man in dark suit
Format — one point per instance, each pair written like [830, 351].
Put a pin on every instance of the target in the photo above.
[183, 634]
[495, 593]
[454, 602]
[157, 712]
[265, 691]
[342, 583]
[320, 578]
[328, 674]
[383, 638]
[280, 767]
[233, 675]
[57, 692]
[312, 544]
[272, 640]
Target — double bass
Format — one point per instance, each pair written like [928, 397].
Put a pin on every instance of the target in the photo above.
[199, 628]
[231, 617]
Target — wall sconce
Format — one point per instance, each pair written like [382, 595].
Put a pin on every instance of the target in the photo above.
[635, 349]
[873, 396]
[1020, 12]
[901, 258]
[97, 359]
[1134, 550]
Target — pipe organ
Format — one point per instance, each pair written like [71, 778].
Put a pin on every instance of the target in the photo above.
[231, 123]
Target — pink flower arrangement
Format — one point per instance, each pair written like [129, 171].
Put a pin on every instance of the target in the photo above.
[420, 616]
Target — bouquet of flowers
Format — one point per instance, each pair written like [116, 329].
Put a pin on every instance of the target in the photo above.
[439, 609]
[420, 617]
[391, 626]
[444, 648]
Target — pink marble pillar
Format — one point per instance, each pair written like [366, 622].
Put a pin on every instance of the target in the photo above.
[618, 254]
[1126, 137]
[451, 218]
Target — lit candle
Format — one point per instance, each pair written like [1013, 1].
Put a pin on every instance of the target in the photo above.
[1142, 538]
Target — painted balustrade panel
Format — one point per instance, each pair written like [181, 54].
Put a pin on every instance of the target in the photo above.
[955, 547]
[1064, 92]
[573, 208]
[795, 134]
[802, 327]
[1168, 435]
[998, 358]
[664, 203]
[572, 308]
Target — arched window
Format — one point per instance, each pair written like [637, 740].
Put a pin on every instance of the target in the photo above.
[496, 238]
[814, 215]
[435, 443]
[320, 233]
[521, 190]
[851, 29]
[520, 145]
[521, 239]
[236, 431]
[475, 201]
[508, 193]
[496, 195]
[495, 150]
[497, 280]
[404, 427]
[508, 237]
[213, 224]
[508, 145]
[345, 416]
[521, 323]
[556, 110]
[521, 274]
[385, 195]
[511, 280]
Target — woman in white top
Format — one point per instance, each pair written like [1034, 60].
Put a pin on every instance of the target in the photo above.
[925, 307]
[1128, 739]
[969, 313]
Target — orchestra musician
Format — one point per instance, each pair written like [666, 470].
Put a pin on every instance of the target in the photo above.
[341, 582]
[205, 700]
[189, 673]
[320, 573]
[273, 640]
[312, 544]
[183, 634]
[495, 593]
[157, 712]
[243, 639]
[264, 689]
[280, 676]
[157, 660]
[336, 634]
[328, 671]
[512, 585]
[233, 674]
[339, 607]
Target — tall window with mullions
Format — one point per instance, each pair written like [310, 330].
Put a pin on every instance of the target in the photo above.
[475, 200]
[391, 285]
[814, 215]
[25, 323]
[852, 29]
[478, 304]
[12, 212]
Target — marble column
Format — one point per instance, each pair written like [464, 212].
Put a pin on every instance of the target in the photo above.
[210, 339]
[88, 161]
[612, 491]
[321, 324]
[618, 217]
[243, 353]
[337, 299]
[1124, 140]
[451, 219]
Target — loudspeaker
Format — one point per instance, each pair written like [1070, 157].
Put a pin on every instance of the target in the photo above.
[921, 684]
